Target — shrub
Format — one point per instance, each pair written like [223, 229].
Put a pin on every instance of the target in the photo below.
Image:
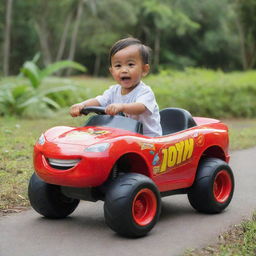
[206, 92]
[202, 92]
[28, 97]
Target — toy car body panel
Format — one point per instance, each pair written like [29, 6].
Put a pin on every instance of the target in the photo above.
[85, 156]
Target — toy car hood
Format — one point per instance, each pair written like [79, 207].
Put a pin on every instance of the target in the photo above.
[82, 136]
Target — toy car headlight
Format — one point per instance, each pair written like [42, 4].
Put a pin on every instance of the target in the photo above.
[98, 147]
[41, 140]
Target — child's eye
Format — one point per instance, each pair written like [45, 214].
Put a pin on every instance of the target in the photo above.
[117, 66]
[131, 64]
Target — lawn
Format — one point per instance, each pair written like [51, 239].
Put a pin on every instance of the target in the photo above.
[240, 240]
[17, 137]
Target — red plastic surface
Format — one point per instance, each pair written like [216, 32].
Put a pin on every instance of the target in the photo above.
[170, 161]
[144, 207]
[222, 186]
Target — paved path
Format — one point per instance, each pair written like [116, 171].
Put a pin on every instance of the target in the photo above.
[85, 234]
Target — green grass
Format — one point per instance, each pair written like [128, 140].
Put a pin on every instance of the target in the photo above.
[17, 138]
[240, 240]
[242, 133]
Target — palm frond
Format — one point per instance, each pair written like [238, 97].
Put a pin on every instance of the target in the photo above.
[32, 72]
[52, 68]
[51, 102]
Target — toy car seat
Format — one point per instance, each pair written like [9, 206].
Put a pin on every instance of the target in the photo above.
[116, 121]
[175, 119]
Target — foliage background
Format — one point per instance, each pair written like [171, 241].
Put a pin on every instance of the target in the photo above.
[210, 33]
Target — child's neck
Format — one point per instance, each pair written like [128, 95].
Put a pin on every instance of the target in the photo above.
[125, 91]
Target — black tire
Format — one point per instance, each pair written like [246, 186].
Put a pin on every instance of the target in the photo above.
[132, 205]
[213, 187]
[48, 199]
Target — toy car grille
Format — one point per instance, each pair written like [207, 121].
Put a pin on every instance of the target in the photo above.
[62, 164]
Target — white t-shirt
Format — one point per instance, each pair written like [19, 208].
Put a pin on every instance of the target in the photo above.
[142, 94]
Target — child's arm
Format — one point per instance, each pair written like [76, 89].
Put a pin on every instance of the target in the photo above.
[128, 108]
[76, 108]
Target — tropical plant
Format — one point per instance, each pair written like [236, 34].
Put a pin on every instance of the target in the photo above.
[28, 97]
[245, 22]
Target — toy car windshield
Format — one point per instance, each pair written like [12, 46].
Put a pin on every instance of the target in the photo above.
[117, 121]
[172, 120]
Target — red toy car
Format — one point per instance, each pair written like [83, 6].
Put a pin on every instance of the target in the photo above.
[110, 159]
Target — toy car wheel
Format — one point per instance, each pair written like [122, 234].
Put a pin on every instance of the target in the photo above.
[132, 205]
[213, 188]
[48, 200]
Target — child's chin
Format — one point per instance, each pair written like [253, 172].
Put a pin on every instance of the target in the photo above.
[126, 84]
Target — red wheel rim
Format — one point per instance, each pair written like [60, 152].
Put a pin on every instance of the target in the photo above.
[222, 186]
[144, 207]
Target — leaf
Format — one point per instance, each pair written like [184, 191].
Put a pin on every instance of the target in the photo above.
[9, 97]
[52, 68]
[57, 89]
[36, 57]
[20, 90]
[51, 102]
[31, 71]
[30, 101]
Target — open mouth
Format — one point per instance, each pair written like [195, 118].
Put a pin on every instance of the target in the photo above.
[125, 78]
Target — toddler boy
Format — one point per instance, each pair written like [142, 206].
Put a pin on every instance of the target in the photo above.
[129, 62]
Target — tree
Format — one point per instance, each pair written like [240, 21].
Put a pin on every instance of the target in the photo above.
[103, 26]
[7, 35]
[214, 44]
[163, 17]
[50, 31]
[75, 32]
[181, 33]
[246, 25]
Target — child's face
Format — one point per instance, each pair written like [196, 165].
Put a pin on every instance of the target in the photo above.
[127, 68]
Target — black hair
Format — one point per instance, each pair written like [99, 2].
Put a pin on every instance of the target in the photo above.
[145, 51]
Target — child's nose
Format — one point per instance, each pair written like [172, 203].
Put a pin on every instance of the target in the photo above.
[124, 69]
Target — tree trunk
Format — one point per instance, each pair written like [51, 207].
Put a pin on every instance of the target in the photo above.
[7, 35]
[250, 52]
[242, 43]
[247, 44]
[43, 39]
[63, 40]
[75, 33]
[253, 58]
[97, 65]
[156, 50]
[247, 48]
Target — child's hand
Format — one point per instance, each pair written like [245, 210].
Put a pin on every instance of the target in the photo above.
[75, 109]
[114, 109]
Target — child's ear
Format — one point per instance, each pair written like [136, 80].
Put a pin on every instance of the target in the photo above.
[110, 69]
[145, 69]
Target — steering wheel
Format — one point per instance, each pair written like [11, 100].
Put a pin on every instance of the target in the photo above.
[97, 110]
[93, 109]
